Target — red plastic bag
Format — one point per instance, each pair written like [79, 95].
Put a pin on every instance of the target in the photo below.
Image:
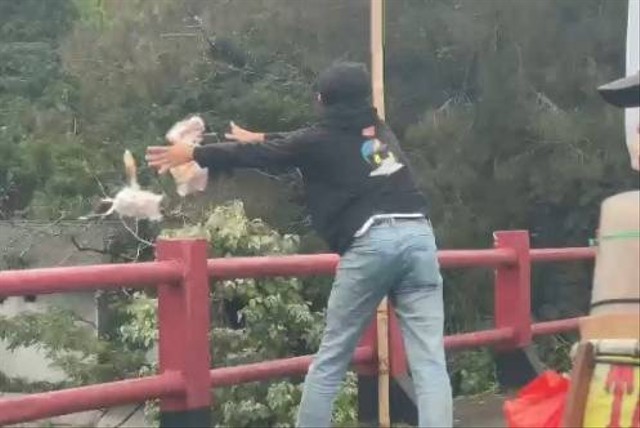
[539, 404]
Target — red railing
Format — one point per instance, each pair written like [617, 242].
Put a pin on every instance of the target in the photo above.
[182, 274]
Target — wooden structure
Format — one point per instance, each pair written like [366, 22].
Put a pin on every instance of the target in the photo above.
[605, 381]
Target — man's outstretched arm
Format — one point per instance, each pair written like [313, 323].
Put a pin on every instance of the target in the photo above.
[230, 155]
[241, 135]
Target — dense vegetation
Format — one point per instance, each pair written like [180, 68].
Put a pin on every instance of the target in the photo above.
[494, 100]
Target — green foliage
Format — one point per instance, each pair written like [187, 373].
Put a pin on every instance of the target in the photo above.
[555, 351]
[140, 332]
[229, 231]
[71, 346]
[512, 134]
[118, 78]
[21, 385]
[473, 372]
[345, 411]
[35, 95]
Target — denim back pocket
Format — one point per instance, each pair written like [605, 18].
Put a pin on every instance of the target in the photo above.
[420, 261]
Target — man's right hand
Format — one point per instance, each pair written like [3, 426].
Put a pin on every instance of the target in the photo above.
[163, 158]
[242, 135]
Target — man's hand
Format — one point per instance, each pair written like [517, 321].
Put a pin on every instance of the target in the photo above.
[163, 158]
[242, 135]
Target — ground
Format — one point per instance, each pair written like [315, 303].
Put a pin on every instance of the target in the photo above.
[479, 411]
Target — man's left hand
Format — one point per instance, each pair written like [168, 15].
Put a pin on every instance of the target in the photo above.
[162, 158]
[241, 135]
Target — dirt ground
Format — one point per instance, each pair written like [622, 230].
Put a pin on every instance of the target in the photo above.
[479, 411]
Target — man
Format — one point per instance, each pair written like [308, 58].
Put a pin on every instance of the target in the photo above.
[364, 202]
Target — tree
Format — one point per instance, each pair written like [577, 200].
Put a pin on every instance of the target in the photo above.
[521, 140]
[34, 94]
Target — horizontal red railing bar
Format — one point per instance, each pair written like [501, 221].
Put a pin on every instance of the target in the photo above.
[562, 254]
[476, 258]
[325, 264]
[228, 376]
[554, 327]
[66, 279]
[478, 338]
[48, 404]
[270, 266]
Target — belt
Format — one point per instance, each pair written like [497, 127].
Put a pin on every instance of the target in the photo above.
[387, 219]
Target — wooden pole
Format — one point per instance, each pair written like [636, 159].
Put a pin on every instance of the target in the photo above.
[377, 55]
[382, 313]
[382, 321]
[581, 375]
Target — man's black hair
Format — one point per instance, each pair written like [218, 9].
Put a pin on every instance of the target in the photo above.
[344, 83]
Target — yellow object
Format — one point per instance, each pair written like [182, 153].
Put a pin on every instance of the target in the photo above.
[614, 394]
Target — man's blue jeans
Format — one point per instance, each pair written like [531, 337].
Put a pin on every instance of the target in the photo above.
[397, 259]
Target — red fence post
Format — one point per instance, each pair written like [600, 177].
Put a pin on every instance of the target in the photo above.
[183, 321]
[513, 288]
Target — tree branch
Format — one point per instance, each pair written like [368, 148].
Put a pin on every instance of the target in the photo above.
[82, 248]
[135, 234]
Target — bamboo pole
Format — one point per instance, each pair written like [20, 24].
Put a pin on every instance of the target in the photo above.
[382, 313]
[377, 55]
[382, 321]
